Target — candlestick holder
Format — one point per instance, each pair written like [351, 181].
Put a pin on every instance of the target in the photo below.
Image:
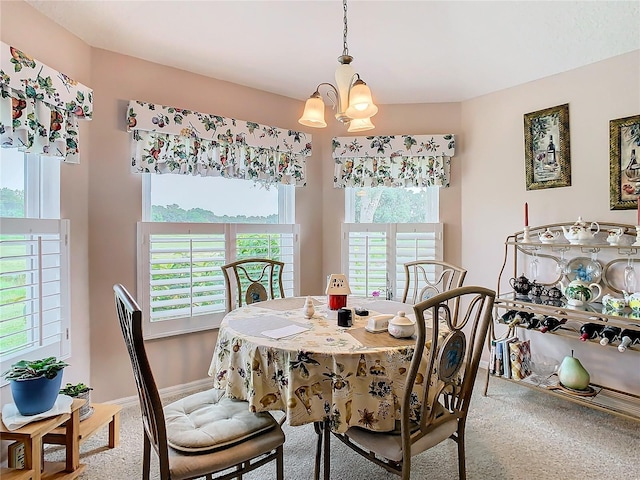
[527, 239]
[637, 242]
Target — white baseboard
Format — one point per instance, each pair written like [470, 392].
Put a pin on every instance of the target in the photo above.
[183, 389]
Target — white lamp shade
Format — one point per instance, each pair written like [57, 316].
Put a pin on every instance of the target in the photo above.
[360, 125]
[313, 115]
[360, 102]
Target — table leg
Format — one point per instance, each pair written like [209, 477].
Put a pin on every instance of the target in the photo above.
[323, 448]
[72, 442]
[327, 448]
[319, 428]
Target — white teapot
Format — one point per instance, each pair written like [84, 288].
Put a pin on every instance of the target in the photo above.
[581, 231]
[548, 236]
[579, 293]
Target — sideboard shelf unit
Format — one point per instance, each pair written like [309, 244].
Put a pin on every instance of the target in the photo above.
[523, 247]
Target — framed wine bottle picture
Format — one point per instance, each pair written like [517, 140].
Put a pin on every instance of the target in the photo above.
[547, 148]
[624, 163]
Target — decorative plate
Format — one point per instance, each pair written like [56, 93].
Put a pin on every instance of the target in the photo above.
[255, 293]
[578, 267]
[451, 355]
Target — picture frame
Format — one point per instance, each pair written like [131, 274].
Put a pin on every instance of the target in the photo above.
[547, 148]
[624, 163]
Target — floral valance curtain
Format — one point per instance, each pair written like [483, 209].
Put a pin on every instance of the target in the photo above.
[393, 161]
[40, 107]
[174, 140]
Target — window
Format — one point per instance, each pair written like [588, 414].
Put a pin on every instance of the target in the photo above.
[194, 225]
[387, 227]
[34, 260]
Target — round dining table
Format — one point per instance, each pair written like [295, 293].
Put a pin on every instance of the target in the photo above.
[270, 355]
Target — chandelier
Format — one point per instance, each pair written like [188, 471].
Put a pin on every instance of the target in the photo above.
[351, 96]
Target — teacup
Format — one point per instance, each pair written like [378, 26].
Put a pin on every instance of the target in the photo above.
[614, 236]
[615, 303]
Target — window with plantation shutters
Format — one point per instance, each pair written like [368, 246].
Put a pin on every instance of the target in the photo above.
[34, 289]
[180, 283]
[373, 254]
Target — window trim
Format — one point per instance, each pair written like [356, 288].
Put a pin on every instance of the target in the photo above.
[184, 325]
[391, 230]
[35, 226]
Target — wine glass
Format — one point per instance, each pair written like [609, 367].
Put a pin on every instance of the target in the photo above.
[594, 269]
[533, 266]
[629, 276]
[563, 264]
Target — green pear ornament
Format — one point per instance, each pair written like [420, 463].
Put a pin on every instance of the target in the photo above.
[572, 374]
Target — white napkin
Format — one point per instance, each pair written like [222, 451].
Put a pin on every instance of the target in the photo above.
[284, 331]
[13, 420]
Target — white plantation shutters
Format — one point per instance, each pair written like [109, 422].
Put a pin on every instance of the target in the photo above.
[373, 254]
[34, 292]
[180, 284]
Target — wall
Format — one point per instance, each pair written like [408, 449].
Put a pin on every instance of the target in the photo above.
[24, 28]
[493, 181]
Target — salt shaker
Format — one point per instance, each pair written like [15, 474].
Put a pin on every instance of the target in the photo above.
[308, 309]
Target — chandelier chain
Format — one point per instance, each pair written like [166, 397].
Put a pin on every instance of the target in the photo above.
[345, 48]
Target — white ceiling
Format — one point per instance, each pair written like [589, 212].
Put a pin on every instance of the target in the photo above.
[407, 51]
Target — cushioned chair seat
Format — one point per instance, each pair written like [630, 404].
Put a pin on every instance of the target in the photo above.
[183, 466]
[209, 420]
[389, 444]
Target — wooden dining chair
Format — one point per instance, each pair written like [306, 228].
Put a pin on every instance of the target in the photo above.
[202, 435]
[252, 280]
[452, 353]
[426, 278]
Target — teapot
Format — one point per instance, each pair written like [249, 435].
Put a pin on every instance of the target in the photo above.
[548, 236]
[579, 293]
[537, 290]
[520, 285]
[554, 293]
[614, 236]
[581, 231]
[615, 304]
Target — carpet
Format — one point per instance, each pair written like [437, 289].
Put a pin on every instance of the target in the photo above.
[514, 433]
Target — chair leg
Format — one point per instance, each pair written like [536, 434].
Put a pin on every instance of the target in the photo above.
[462, 472]
[146, 457]
[280, 463]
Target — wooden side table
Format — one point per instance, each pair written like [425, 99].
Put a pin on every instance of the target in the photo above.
[32, 435]
[103, 413]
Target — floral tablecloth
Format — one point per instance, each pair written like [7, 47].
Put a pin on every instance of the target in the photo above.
[323, 373]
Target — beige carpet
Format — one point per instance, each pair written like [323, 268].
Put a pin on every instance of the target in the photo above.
[513, 433]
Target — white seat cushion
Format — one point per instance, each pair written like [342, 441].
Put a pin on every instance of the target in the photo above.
[209, 420]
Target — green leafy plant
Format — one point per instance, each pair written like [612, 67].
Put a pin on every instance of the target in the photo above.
[75, 390]
[24, 369]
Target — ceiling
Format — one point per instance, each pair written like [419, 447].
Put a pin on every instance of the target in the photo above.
[407, 51]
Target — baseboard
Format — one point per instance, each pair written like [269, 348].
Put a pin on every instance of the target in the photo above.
[183, 389]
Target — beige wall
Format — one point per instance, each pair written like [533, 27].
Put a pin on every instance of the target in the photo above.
[103, 200]
[493, 181]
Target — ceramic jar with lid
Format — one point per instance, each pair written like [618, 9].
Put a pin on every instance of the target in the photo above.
[401, 327]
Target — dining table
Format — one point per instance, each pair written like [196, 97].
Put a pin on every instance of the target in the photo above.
[270, 355]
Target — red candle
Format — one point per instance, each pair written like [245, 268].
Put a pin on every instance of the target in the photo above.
[526, 214]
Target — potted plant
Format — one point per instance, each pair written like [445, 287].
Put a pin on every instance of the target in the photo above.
[35, 384]
[82, 391]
